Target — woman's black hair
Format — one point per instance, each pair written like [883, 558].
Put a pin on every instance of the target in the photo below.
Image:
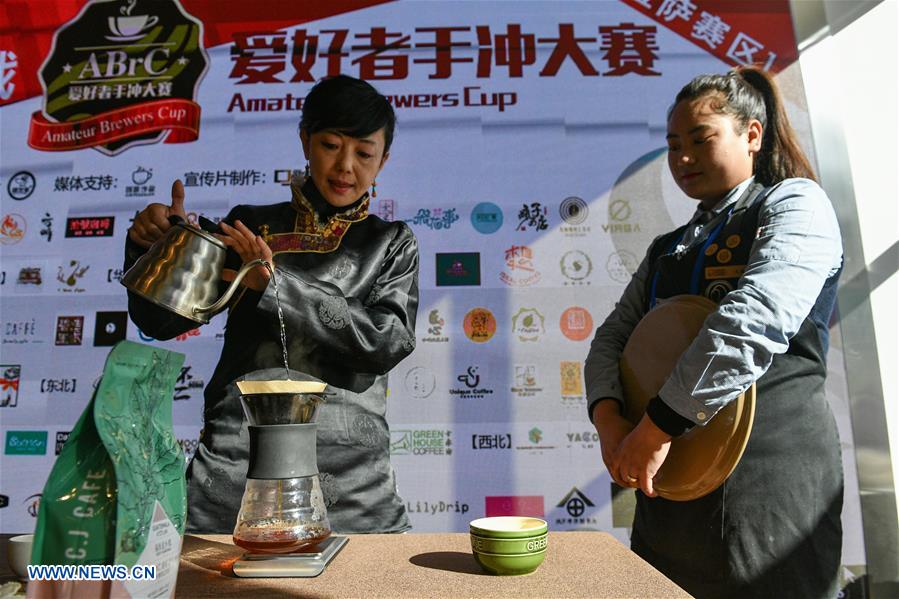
[748, 93]
[350, 106]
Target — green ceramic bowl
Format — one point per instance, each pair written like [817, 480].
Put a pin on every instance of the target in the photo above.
[509, 565]
[507, 527]
[508, 546]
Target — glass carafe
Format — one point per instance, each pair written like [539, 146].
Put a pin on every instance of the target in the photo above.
[282, 509]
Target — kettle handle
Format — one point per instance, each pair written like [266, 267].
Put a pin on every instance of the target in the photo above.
[214, 308]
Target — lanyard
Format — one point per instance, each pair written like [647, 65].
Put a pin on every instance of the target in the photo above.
[697, 266]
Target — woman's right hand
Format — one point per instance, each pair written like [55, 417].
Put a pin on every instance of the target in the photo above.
[153, 221]
[612, 428]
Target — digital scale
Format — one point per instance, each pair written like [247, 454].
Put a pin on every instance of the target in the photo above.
[302, 564]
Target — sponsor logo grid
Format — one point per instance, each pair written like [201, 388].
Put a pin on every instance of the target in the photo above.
[525, 267]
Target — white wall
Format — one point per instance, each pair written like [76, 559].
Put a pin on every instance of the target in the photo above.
[851, 82]
[866, 58]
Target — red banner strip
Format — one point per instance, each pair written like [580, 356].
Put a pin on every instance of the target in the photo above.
[739, 32]
[182, 117]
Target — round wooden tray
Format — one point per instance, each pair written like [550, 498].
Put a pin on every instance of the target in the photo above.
[702, 458]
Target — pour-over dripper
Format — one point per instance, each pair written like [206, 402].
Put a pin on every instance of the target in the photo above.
[282, 508]
[281, 401]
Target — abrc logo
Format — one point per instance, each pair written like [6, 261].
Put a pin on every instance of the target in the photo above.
[121, 74]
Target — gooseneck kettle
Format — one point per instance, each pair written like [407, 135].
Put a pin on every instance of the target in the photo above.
[182, 269]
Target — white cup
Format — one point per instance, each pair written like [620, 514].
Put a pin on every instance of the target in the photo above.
[128, 26]
[18, 553]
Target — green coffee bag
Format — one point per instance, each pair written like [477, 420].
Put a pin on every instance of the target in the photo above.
[117, 494]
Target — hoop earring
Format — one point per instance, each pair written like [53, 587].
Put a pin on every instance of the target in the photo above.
[306, 171]
[374, 188]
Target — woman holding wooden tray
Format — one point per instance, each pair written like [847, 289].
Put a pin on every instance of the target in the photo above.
[764, 245]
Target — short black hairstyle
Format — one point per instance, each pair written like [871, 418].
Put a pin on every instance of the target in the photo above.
[348, 105]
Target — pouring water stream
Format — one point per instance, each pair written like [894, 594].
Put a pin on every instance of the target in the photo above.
[271, 270]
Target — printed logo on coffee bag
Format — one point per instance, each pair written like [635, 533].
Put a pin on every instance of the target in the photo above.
[121, 74]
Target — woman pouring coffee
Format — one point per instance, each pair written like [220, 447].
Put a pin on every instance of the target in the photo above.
[348, 287]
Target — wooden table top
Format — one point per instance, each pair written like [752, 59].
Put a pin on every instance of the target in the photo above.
[578, 564]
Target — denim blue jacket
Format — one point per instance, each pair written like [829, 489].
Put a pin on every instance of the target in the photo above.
[797, 248]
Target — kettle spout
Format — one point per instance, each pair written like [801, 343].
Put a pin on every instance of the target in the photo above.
[222, 301]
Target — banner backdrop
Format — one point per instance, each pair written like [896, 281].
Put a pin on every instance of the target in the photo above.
[529, 161]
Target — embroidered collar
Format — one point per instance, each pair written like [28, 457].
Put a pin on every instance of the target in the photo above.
[309, 234]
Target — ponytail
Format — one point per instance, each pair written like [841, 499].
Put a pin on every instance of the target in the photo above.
[780, 157]
[748, 93]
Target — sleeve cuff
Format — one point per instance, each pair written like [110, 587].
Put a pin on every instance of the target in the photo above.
[132, 252]
[667, 419]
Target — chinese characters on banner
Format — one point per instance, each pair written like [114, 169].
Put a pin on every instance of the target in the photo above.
[728, 30]
[307, 55]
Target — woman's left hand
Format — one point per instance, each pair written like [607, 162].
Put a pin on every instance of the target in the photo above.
[249, 247]
[641, 454]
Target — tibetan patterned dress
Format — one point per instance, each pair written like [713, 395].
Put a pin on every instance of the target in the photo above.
[348, 287]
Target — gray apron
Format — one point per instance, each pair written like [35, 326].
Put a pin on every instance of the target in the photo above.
[773, 528]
